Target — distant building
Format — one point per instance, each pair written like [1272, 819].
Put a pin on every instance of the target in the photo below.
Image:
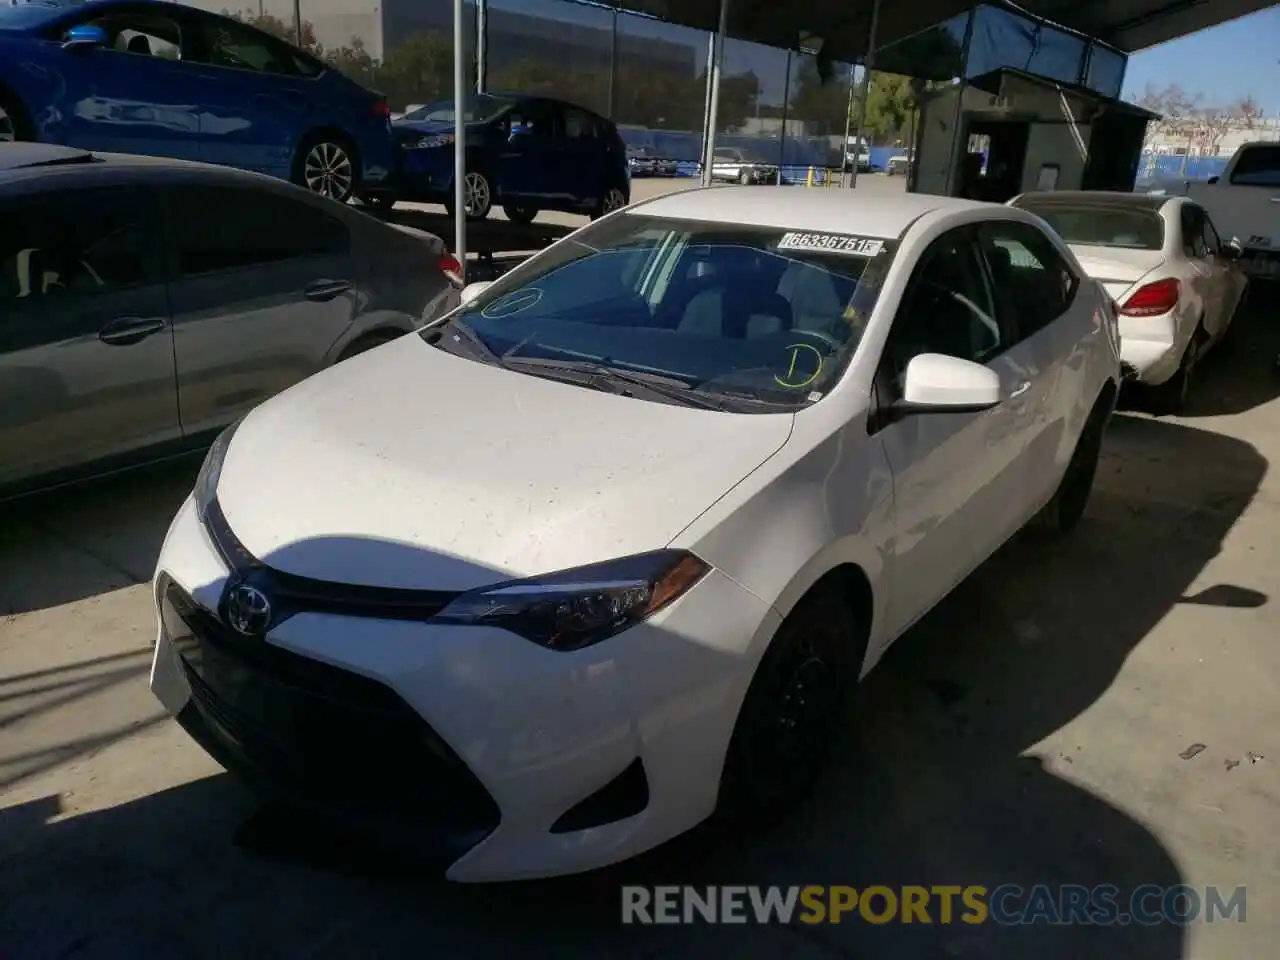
[1165, 142]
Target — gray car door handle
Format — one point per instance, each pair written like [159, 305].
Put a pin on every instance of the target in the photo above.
[129, 330]
[324, 290]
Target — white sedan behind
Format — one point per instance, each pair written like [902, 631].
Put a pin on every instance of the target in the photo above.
[703, 461]
[1175, 282]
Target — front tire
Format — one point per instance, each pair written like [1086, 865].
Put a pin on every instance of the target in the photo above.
[477, 196]
[794, 711]
[327, 166]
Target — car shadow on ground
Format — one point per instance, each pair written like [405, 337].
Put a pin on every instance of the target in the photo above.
[80, 542]
[1243, 373]
[945, 779]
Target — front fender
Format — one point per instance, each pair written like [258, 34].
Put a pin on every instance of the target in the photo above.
[800, 515]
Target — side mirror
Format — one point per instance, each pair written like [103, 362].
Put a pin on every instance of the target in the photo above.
[472, 290]
[1212, 180]
[84, 37]
[936, 383]
[1233, 248]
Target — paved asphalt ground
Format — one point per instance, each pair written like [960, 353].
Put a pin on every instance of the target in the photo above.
[1099, 710]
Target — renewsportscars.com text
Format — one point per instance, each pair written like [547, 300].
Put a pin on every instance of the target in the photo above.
[1007, 905]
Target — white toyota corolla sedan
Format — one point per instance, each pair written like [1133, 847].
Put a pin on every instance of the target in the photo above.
[609, 548]
[1176, 283]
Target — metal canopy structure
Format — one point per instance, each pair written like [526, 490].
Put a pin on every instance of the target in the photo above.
[852, 31]
[845, 27]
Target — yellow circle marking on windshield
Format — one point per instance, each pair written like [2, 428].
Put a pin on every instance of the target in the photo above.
[796, 379]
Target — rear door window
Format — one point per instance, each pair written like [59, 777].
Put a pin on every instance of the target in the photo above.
[216, 229]
[1035, 285]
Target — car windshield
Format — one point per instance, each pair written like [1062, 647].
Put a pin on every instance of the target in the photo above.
[1097, 225]
[766, 316]
[479, 109]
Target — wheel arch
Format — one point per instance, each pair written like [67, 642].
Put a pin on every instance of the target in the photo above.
[851, 568]
[332, 131]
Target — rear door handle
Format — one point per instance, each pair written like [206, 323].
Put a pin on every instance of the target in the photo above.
[323, 291]
[1020, 389]
[129, 330]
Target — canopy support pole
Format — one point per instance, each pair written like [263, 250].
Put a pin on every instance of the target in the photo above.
[868, 64]
[713, 111]
[459, 135]
[482, 45]
[959, 143]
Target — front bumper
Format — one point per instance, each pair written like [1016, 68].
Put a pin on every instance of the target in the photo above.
[469, 744]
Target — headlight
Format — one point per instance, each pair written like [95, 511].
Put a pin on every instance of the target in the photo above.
[207, 479]
[429, 143]
[574, 609]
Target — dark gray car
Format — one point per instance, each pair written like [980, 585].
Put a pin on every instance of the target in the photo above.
[147, 303]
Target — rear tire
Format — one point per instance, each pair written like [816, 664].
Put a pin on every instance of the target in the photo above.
[1064, 512]
[328, 166]
[520, 214]
[1170, 398]
[614, 198]
[793, 713]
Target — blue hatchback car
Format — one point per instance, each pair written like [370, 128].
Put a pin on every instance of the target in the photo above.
[164, 79]
[526, 153]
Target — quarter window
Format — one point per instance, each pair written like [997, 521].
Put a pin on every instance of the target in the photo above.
[79, 244]
[1035, 284]
[1193, 244]
[233, 45]
[213, 229]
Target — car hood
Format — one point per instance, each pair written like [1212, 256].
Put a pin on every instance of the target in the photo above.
[409, 467]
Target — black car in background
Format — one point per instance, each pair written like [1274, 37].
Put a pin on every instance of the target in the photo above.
[147, 303]
[526, 153]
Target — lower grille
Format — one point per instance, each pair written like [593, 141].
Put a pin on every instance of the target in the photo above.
[323, 737]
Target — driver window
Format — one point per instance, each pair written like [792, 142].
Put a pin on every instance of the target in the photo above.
[142, 34]
[947, 308]
[532, 119]
[45, 252]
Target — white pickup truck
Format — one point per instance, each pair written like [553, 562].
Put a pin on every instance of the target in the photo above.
[1244, 204]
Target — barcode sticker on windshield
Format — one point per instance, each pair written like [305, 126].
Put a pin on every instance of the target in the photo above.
[831, 243]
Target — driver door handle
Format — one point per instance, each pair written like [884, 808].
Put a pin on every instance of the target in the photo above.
[129, 330]
[1020, 389]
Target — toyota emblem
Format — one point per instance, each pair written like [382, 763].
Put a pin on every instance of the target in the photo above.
[248, 610]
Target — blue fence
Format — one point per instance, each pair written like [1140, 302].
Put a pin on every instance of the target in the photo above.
[1164, 167]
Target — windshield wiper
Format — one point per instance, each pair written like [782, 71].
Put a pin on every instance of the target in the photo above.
[670, 388]
[464, 334]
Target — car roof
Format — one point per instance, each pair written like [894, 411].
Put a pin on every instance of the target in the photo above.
[34, 164]
[1096, 198]
[795, 208]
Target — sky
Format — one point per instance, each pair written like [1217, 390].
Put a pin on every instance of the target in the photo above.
[1225, 63]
